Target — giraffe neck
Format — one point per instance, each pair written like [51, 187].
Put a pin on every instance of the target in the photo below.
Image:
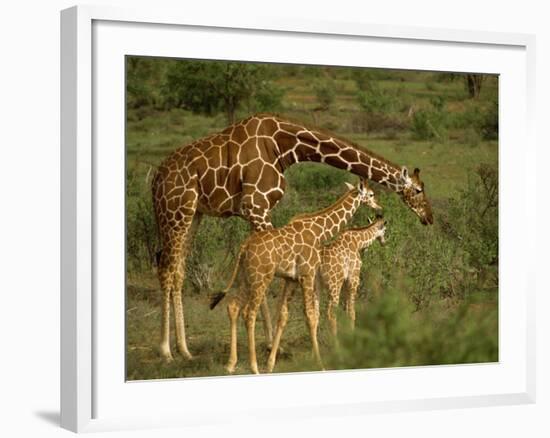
[332, 219]
[297, 143]
[362, 238]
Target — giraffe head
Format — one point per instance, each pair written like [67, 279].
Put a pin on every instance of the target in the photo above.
[378, 226]
[414, 196]
[366, 194]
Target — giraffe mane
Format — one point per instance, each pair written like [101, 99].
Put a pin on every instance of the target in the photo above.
[328, 133]
[312, 214]
[363, 228]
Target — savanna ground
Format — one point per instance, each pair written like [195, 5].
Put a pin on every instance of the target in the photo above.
[430, 296]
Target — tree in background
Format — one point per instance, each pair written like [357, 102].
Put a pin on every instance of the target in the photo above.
[472, 81]
[208, 87]
[473, 84]
[325, 92]
[143, 79]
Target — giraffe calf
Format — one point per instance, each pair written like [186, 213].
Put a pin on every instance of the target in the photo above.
[293, 253]
[341, 266]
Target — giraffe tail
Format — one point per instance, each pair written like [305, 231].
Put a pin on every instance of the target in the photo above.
[318, 281]
[217, 297]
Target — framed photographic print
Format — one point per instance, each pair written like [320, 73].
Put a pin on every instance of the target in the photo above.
[258, 208]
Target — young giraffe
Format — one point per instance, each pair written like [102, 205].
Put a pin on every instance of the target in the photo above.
[293, 253]
[239, 172]
[341, 265]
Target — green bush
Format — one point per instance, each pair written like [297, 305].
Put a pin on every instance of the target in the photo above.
[213, 251]
[431, 85]
[471, 137]
[362, 78]
[379, 110]
[310, 187]
[483, 120]
[359, 123]
[375, 100]
[141, 234]
[429, 125]
[325, 92]
[389, 333]
[390, 124]
[427, 261]
[474, 216]
[438, 102]
[144, 77]
[268, 97]
[209, 87]
[433, 123]
[489, 125]
[314, 178]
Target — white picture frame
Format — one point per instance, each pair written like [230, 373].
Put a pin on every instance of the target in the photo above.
[93, 390]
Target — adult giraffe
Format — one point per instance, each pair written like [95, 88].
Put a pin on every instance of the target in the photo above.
[239, 172]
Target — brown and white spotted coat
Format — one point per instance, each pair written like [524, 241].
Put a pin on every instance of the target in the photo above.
[240, 172]
[341, 266]
[293, 253]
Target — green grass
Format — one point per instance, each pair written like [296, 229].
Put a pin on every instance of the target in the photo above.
[425, 298]
[388, 334]
[208, 337]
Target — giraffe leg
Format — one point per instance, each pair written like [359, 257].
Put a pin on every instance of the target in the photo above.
[250, 328]
[257, 213]
[281, 323]
[250, 311]
[168, 266]
[171, 272]
[178, 285]
[350, 305]
[255, 207]
[177, 302]
[334, 292]
[268, 328]
[233, 309]
[165, 328]
[311, 308]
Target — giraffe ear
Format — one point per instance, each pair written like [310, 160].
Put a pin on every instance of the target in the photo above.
[404, 172]
[348, 185]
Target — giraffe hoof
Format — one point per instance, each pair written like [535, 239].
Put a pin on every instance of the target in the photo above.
[166, 355]
[185, 353]
[230, 369]
[280, 350]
